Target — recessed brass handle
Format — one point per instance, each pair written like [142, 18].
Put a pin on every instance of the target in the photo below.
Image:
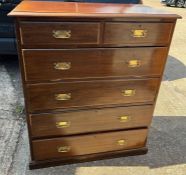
[63, 124]
[63, 149]
[134, 63]
[124, 118]
[62, 65]
[63, 97]
[121, 142]
[61, 34]
[128, 92]
[139, 33]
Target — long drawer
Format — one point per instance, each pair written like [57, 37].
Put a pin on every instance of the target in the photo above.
[59, 33]
[90, 93]
[139, 33]
[43, 65]
[67, 123]
[88, 144]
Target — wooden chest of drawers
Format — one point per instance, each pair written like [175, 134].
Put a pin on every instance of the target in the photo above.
[91, 75]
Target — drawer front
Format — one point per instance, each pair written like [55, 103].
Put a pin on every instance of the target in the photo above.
[43, 65]
[88, 144]
[67, 123]
[59, 33]
[90, 93]
[134, 34]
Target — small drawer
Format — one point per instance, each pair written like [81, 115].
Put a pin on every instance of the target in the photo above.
[90, 93]
[52, 65]
[67, 123]
[138, 34]
[88, 144]
[59, 33]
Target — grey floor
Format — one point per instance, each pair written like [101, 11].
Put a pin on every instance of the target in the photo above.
[167, 137]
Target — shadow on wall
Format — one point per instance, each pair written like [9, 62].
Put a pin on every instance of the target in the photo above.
[174, 69]
[167, 146]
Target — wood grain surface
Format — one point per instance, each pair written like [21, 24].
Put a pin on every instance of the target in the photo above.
[83, 33]
[90, 120]
[39, 65]
[99, 10]
[121, 33]
[88, 144]
[80, 33]
[90, 93]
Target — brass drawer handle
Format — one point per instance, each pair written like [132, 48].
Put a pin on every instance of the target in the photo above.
[128, 92]
[121, 142]
[62, 124]
[62, 65]
[139, 33]
[124, 118]
[63, 97]
[63, 149]
[61, 34]
[134, 63]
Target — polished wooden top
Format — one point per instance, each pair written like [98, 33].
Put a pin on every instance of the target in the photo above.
[74, 9]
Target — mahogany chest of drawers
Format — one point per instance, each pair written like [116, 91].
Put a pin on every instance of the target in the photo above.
[91, 75]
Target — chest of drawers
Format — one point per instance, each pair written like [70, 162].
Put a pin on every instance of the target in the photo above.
[91, 75]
